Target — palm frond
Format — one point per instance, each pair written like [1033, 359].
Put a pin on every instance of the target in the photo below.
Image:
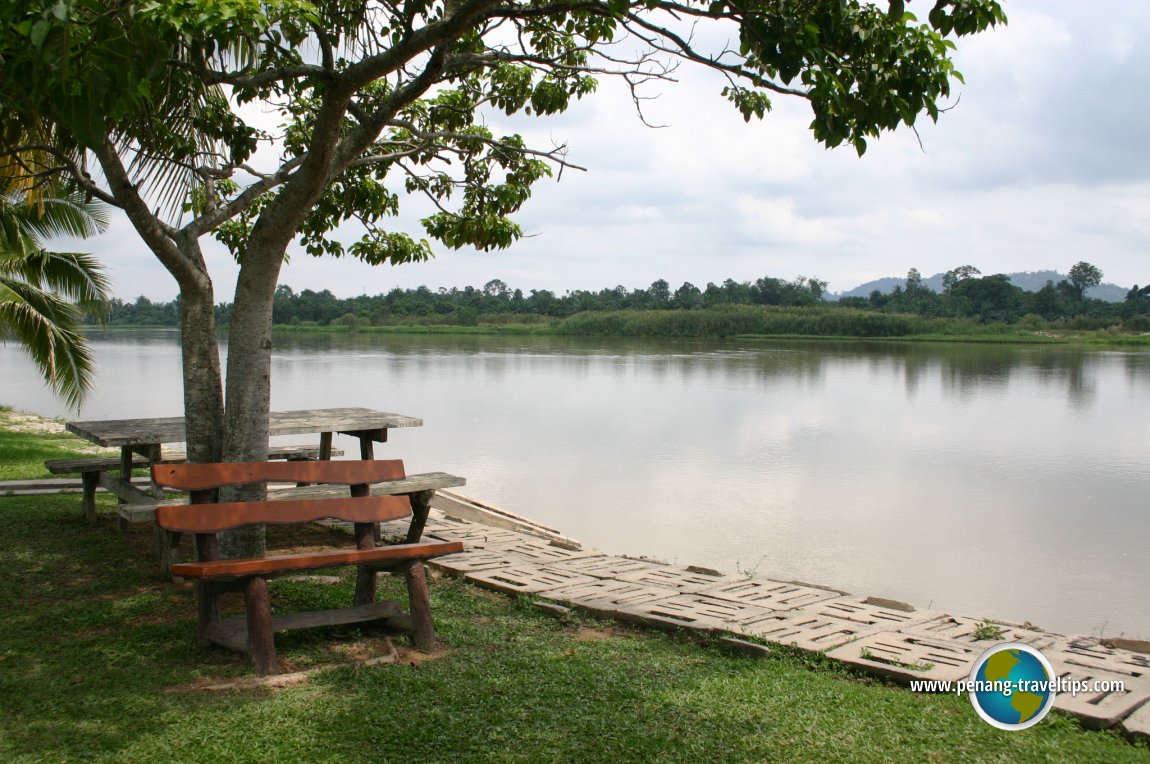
[165, 158]
[14, 243]
[44, 295]
[48, 327]
[70, 215]
[75, 276]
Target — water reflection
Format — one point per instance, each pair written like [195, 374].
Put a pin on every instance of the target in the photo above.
[990, 480]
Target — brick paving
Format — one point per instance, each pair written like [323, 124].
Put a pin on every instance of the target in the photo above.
[881, 637]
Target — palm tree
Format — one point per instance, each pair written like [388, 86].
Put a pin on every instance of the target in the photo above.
[44, 295]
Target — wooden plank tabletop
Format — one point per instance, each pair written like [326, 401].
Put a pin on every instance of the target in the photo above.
[117, 433]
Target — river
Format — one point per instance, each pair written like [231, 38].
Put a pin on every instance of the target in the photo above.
[1002, 481]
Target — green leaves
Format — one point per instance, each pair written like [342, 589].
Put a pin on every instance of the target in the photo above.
[510, 87]
[44, 295]
[484, 231]
[750, 103]
[864, 69]
[964, 17]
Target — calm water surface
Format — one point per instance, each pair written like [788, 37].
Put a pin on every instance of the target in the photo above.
[991, 481]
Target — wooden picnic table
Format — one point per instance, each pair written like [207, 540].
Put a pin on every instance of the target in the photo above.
[141, 436]
[141, 443]
[147, 438]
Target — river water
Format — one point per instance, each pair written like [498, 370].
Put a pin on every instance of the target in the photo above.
[997, 481]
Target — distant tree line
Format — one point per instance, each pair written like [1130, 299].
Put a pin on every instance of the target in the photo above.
[145, 312]
[466, 305]
[966, 294]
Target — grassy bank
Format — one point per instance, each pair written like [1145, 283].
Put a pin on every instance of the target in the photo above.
[754, 321]
[516, 329]
[98, 662]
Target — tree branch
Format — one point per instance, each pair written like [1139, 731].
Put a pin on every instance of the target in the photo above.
[68, 165]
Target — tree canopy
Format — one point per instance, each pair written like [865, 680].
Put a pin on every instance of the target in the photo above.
[148, 106]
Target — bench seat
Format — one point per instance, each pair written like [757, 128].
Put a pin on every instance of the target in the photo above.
[104, 471]
[103, 463]
[380, 491]
[420, 489]
[381, 557]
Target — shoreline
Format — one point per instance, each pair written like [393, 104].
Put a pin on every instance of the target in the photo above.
[893, 640]
[1090, 339]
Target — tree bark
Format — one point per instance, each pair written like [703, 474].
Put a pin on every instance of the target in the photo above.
[203, 388]
[248, 401]
[179, 252]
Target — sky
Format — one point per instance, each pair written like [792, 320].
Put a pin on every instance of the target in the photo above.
[1043, 161]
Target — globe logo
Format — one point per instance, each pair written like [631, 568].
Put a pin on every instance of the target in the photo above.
[1012, 686]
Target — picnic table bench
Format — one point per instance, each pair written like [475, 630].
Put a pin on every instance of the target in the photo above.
[374, 498]
[97, 471]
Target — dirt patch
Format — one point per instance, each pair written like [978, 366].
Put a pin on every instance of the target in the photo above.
[277, 682]
[588, 634]
[362, 654]
[365, 649]
[409, 657]
[127, 593]
[20, 421]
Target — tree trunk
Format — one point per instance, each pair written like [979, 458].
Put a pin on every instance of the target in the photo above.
[203, 389]
[203, 386]
[248, 400]
[180, 254]
[247, 403]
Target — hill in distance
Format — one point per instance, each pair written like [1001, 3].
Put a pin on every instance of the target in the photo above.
[1031, 281]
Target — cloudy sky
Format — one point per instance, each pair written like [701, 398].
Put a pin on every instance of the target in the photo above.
[1043, 161]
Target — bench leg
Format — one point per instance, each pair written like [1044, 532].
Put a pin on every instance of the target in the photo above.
[261, 639]
[207, 610]
[90, 480]
[126, 458]
[423, 630]
[207, 597]
[168, 548]
[365, 579]
[365, 586]
[367, 452]
[420, 507]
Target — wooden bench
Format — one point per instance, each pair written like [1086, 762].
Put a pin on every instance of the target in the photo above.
[255, 631]
[91, 468]
[419, 489]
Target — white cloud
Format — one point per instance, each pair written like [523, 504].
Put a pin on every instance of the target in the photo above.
[1043, 162]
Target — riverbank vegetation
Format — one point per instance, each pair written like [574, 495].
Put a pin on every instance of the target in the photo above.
[98, 662]
[969, 307]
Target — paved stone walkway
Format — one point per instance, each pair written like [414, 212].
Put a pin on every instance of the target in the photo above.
[885, 638]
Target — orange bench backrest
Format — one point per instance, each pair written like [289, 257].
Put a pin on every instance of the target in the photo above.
[213, 518]
[198, 477]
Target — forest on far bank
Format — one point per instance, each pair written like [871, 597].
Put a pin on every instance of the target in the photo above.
[966, 295]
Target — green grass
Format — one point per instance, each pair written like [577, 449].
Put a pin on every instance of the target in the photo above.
[98, 662]
[22, 454]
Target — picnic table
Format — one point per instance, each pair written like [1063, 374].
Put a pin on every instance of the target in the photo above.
[142, 443]
[148, 437]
